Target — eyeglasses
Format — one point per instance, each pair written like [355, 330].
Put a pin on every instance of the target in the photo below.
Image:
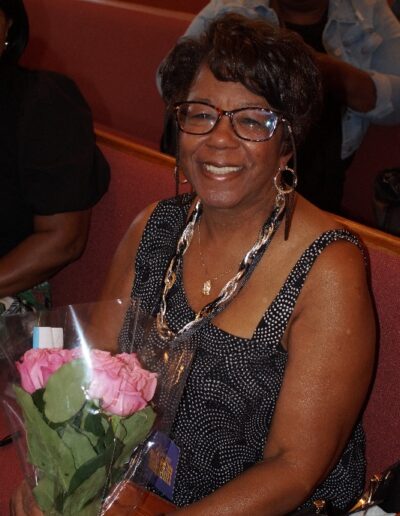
[253, 124]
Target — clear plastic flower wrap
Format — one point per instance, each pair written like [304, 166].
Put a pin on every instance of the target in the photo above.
[91, 416]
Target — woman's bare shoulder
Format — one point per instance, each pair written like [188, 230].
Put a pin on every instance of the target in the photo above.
[340, 265]
[309, 221]
[135, 231]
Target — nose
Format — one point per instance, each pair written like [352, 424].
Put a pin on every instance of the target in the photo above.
[223, 134]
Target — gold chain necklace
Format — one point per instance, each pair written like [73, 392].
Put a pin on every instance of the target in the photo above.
[232, 287]
[207, 285]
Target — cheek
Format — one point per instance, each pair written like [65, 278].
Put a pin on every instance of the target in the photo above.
[267, 157]
[188, 146]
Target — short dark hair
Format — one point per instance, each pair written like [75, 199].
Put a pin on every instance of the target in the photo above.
[270, 61]
[18, 34]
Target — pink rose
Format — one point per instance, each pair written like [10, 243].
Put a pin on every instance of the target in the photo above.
[120, 383]
[37, 365]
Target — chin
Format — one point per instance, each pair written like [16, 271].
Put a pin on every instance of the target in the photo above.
[219, 200]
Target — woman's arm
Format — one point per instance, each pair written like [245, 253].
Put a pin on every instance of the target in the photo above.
[330, 345]
[56, 241]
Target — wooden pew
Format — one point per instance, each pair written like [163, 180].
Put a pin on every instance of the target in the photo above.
[139, 176]
[112, 51]
[382, 414]
[191, 6]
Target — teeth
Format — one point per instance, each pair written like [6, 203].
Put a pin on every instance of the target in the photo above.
[221, 170]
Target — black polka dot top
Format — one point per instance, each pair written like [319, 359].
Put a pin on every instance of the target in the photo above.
[226, 409]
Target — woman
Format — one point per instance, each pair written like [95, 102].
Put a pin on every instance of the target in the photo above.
[269, 419]
[51, 172]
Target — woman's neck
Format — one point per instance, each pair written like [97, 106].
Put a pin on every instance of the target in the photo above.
[225, 224]
[298, 12]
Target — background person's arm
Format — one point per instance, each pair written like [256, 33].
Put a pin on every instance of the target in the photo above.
[353, 87]
[374, 92]
[56, 241]
[60, 175]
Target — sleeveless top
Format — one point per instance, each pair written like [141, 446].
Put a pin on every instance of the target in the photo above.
[225, 413]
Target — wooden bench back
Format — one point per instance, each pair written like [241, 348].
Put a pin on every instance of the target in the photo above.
[112, 51]
[139, 176]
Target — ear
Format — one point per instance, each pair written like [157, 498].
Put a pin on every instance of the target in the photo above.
[284, 159]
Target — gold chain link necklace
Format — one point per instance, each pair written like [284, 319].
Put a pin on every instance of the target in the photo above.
[231, 288]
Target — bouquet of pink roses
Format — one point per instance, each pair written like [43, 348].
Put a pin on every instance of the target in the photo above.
[89, 416]
[84, 414]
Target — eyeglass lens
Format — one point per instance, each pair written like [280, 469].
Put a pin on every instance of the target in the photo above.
[255, 124]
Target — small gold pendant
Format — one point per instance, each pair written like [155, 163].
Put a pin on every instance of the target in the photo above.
[206, 288]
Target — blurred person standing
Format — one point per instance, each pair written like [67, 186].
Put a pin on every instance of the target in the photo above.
[396, 8]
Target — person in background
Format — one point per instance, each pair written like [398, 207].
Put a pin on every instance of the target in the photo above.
[51, 172]
[356, 44]
[396, 8]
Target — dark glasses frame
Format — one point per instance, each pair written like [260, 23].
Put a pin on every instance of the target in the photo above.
[230, 114]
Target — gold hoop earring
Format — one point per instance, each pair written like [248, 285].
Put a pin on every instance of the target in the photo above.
[286, 194]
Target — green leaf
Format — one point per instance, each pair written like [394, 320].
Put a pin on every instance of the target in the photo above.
[105, 459]
[118, 427]
[106, 441]
[92, 509]
[92, 423]
[46, 449]
[79, 444]
[90, 490]
[37, 398]
[137, 428]
[64, 395]
[45, 493]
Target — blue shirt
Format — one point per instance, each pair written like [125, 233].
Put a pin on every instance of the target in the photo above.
[363, 33]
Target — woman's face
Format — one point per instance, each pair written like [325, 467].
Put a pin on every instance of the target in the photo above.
[225, 170]
[4, 26]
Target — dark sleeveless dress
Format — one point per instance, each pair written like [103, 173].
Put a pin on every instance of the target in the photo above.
[226, 410]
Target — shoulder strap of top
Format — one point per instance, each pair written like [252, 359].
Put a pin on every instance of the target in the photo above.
[280, 310]
[158, 244]
[166, 222]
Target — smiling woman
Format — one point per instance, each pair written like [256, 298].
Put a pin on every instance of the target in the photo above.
[232, 163]
[282, 321]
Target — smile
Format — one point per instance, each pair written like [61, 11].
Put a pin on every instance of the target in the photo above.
[221, 171]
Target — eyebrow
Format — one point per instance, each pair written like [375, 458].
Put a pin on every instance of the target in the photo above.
[243, 106]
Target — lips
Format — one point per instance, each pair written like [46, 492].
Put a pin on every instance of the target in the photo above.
[221, 170]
